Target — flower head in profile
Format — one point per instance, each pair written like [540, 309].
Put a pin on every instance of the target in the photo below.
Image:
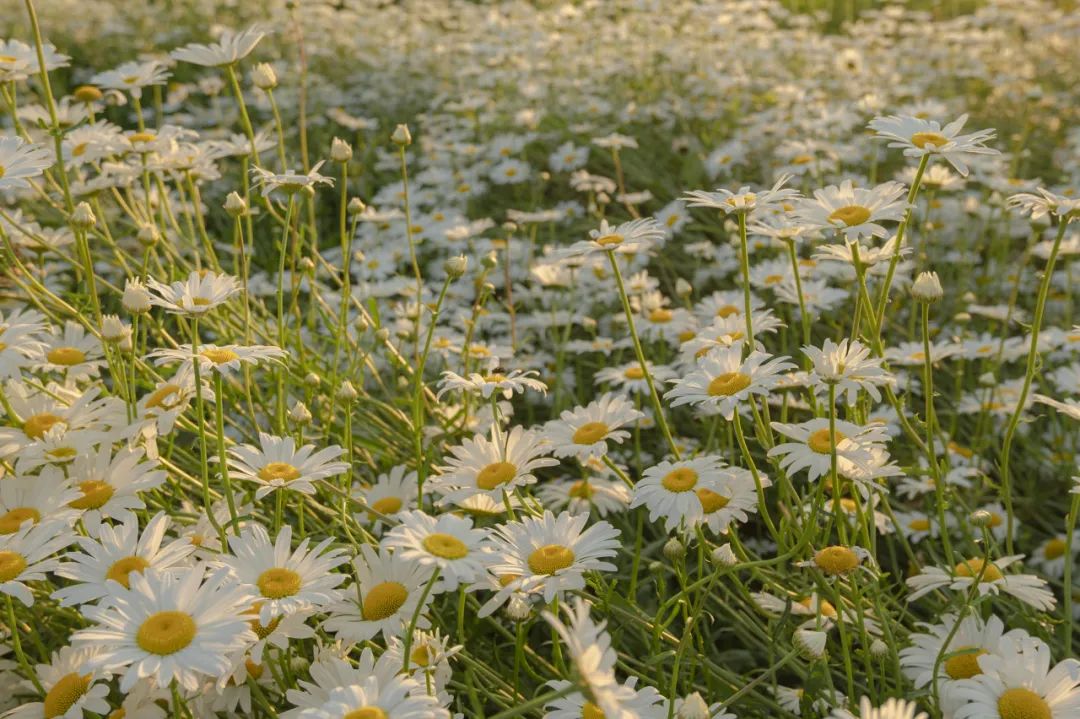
[195, 296]
[989, 578]
[21, 161]
[744, 200]
[230, 48]
[506, 384]
[892, 709]
[132, 76]
[629, 237]
[1046, 203]
[918, 137]
[847, 365]
[289, 182]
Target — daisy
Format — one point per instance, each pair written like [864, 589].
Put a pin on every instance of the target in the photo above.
[200, 293]
[33, 413]
[1019, 683]
[630, 377]
[643, 703]
[723, 380]
[20, 162]
[110, 483]
[282, 580]
[289, 182]
[1028, 588]
[589, 648]
[33, 499]
[69, 688]
[447, 542]
[389, 592]
[583, 496]
[277, 464]
[918, 137]
[852, 211]
[230, 48]
[812, 448]
[849, 367]
[584, 431]
[1046, 203]
[837, 560]
[479, 466]
[220, 358]
[677, 491]
[1050, 557]
[73, 352]
[515, 381]
[744, 201]
[132, 76]
[330, 671]
[397, 698]
[629, 237]
[549, 554]
[891, 709]
[735, 498]
[173, 628]
[959, 651]
[25, 556]
[393, 492]
[115, 554]
[429, 659]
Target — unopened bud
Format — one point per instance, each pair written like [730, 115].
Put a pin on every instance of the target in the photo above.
[810, 642]
[306, 264]
[518, 609]
[112, 329]
[401, 137]
[683, 288]
[300, 414]
[356, 206]
[136, 299]
[693, 707]
[382, 334]
[981, 518]
[674, 549]
[347, 392]
[311, 379]
[340, 151]
[455, 266]
[879, 649]
[264, 77]
[148, 235]
[83, 217]
[235, 205]
[490, 260]
[927, 287]
[724, 555]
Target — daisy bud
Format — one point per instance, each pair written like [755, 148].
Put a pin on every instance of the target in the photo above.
[656, 567]
[969, 297]
[87, 93]
[112, 329]
[518, 609]
[455, 266]
[693, 707]
[724, 555]
[356, 206]
[264, 77]
[683, 288]
[962, 317]
[136, 299]
[148, 235]
[987, 379]
[307, 264]
[927, 288]
[981, 518]
[126, 345]
[588, 323]
[347, 392]
[382, 334]
[361, 324]
[83, 217]
[603, 198]
[340, 151]
[311, 379]
[235, 205]
[879, 649]
[300, 414]
[811, 643]
[490, 260]
[674, 550]
[401, 137]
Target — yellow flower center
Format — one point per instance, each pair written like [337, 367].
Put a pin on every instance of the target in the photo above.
[121, 570]
[672, 220]
[590, 433]
[819, 441]
[964, 666]
[87, 93]
[774, 279]
[634, 373]
[850, 215]
[550, 559]
[387, 505]
[1053, 549]
[445, 545]
[37, 425]
[922, 139]
[79, 150]
[143, 137]
[727, 384]
[508, 579]
[255, 671]
[200, 301]
[712, 501]
[919, 525]
[972, 567]
[366, 713]
[495, 474]
[1021, 703]
[95, 493]
[581, 489]
[836, 560]
[3, 171]
[824, 608]
[62, 452]
[278, 470]
[166, 633]
[263, 631]
[591, 711]
[11, 565]
[10, 522]
[220, 355]
[63, 695]
[802, 159]
[161, 395]
[660, 316]
[612, 240]
[278, 582]
[727, 311]
[687, 335]
[384, 600]
[681, 479]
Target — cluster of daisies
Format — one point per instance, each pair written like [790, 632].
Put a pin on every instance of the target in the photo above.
[641, 374]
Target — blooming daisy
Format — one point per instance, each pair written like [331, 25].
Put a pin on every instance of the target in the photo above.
[723, 379]
[849, 367]
[132, 76]
[918, 137]
[584, 431]
[955, 651]
[21, 161]
[69, 688]
[582, 496]
[627, 238]
[744, 200]
[200, 293]
[813, 445]
[393, 492]
[110, 483]
[289, 182]
[515, 381]
[447, 542]
[219, 358]
[397, 698]
[277, 464]
[230, 48]
[480, 466]
[73, 352]
[852, 211]
[678, 491]
[330, 671]
[1028, 588]
[43, 497]
[25, 556]
[891, 709]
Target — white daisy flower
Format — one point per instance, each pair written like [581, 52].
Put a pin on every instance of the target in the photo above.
[330, 671]
[69, 688]
[812, 448]
[852, 211]
[277, 464]
[918, 137]
[20, 162]
[492, 468]
[43, 497]
[724, 379]
[679, 491]
[1028, 588]
[891, 709]
[448, 542]
[584, 431]
[515, 381]
[393, 492]
[744, 200]
[219, 358]
[231, 47]
[397, 698]
[200, 293]
[583, 496]
[958, 650]
[627, 238]
[849, 366]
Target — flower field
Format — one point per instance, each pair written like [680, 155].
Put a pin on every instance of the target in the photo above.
[597, 359]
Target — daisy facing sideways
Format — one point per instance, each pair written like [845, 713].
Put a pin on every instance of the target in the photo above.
[1028, 588]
